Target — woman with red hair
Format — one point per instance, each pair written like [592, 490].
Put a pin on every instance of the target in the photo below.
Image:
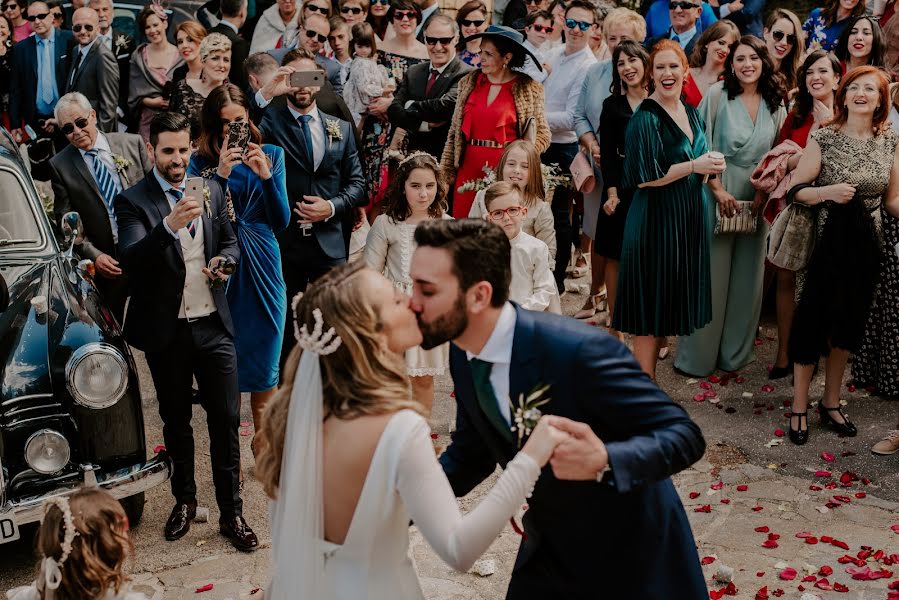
[845, 172]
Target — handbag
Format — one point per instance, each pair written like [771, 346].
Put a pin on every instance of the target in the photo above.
[791, 238]
[582, 174]
[743, 221]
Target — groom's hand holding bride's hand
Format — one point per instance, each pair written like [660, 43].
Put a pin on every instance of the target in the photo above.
[581, 455]
[543, 441]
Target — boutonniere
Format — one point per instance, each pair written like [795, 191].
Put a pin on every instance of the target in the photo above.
[121, 42]
[332, 126]
[121, 167]
[207, 194]
[527, 413]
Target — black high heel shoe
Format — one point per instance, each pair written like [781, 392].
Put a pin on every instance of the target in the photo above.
[780, 372]
[799, 436]
[846, 428]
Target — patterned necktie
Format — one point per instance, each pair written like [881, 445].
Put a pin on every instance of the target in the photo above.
[307, 138]
[45, 89]
[432, 79]
[177, 195]
[480, 374]
[105, 180]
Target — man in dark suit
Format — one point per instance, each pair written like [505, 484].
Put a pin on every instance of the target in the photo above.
[424, 103]
[94, 71]
[608, 506]
[324, 179]
[234, 14]
[686, 25]
[86, 176]
[38, 75]
[122, 47]
[172, 246]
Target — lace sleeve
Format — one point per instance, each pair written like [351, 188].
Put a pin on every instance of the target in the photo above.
[459, 540]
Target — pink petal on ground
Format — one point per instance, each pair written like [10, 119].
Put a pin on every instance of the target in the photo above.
[828, 456]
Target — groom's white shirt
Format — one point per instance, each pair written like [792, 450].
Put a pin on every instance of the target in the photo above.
[498, 350]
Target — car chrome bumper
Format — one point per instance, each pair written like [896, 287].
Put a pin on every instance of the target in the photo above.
[121, 484]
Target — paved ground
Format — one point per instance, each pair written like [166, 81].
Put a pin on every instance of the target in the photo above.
[739, 430]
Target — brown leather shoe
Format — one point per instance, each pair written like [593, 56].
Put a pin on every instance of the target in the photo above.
[179, 521]
[240, 534]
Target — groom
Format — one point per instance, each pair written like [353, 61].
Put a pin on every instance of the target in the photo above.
[607, 521]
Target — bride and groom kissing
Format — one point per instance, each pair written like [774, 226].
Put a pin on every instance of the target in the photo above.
[349, 462]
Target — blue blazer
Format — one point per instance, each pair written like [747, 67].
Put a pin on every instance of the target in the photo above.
[23, 87]
[338, 179]
[625, 538]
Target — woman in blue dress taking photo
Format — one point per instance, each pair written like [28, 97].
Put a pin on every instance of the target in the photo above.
[256, 191]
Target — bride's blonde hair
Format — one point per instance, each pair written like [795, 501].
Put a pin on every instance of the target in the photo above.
[362, 377]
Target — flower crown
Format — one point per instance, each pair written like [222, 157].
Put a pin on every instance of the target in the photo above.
[51, 567]
[416, 154]
[321, 344]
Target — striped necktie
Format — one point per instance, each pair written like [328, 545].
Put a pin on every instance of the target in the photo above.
[106, 182]
[177, 195]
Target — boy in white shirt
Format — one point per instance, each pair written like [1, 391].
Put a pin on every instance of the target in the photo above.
[533, 285]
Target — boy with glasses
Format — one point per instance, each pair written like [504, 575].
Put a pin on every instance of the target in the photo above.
[538, 27]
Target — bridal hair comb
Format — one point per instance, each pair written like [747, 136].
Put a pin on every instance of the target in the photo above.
[416, 154]
[51, 567]
[159, 10]
[317, 342]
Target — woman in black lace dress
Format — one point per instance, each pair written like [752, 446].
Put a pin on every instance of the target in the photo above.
[189, 94]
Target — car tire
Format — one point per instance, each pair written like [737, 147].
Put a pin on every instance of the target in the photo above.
[134, 508]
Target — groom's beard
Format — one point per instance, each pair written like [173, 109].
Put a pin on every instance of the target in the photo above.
[446, 327]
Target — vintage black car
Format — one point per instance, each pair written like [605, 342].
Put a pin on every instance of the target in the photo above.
[70, 404]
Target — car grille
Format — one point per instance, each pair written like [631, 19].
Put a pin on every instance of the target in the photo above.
[34, 407]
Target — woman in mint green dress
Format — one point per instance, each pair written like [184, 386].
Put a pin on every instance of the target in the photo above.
[663, 281]
[744, 114]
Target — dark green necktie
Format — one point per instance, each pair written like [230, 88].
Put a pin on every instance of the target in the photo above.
[480, 373]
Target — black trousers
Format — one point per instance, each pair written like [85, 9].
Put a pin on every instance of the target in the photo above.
[202, 348]
[562, 155]
[301, 265]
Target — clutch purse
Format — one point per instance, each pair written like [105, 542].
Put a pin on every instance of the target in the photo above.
[792, 237]
[582, 174]
[743, 221]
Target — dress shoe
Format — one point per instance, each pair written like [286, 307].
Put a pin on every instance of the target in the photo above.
[888, 445]
[846, 428]
[780, 372]
[799, 436]
[240, 534]
[179, 521]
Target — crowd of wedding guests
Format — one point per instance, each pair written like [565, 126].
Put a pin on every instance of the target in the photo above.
[653, 147]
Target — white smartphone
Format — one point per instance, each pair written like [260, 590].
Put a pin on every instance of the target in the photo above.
[194, 188]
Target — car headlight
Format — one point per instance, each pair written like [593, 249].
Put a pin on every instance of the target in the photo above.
[97, 375]
[47, 451]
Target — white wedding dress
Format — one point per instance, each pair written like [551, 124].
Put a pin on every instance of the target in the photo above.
[406, 482]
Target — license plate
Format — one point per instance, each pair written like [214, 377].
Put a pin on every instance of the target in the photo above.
[9, 529]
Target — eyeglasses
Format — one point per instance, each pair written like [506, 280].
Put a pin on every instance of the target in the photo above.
[404, 14]
[469, 23]
[499, 213]
[56, 15]
[778, 35]
[87, 27]
[384, 2]
[534, 2]
[546, 28]
[40, 17]
[582, 25]
[683, 5]
[319, 9]
[314, 34]
[69, 128]
[433, 41]
[10, 6]
[351, 9]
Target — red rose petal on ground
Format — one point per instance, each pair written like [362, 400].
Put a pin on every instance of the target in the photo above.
[769, 544]
[694, 495]
[826, 539]
[707, 560]
[773, 536]
[809, 578]
[767, 388]
[803, 534]
[766, 529]
[832, 504]
[245, 423]
[831, 485]
[848, 477]
[717, 485]
[828, 456]
[453, 394]
[205, 588]
[725, 501]
[865, 480]
[788, 574]
[758, 342]
[815, 488]
[787, 402]
[825, 571]
[895, 528]
[823, 584]
[705, 385]
[843, 499]
[839, 587]
[757, 508]
[742, 488]
[760, 574]
[714, 379]
[893, 585]
[822, 473]
[846, 559]
[851, 387]
[711, 394]
[860, 495]
[762, 594]
[161, 448]
[434, 436]
[779, 432]
[840, 544]
[811, 540]
[739, 379]
[778, 592]
[800, 587]
[698, 398]
[246, 432]
[706, 508]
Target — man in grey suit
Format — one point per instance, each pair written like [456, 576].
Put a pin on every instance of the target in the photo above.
[86, 176]
[93, 69]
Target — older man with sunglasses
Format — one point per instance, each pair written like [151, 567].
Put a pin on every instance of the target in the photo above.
[685, 19]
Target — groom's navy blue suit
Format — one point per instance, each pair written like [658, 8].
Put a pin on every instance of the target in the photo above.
[627, 538]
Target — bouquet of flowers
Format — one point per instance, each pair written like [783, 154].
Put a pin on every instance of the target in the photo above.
[552, 178]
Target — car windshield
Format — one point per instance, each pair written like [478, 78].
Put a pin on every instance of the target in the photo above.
[18, 224]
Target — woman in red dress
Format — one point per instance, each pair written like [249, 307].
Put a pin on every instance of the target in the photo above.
[496, 105]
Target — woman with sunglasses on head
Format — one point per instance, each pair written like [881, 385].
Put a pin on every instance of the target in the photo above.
[14, 10]
[472, 18]
[743, 116]
[377, 18]
[786, 45]
[825, 25]
[861, 44]
[707, 61]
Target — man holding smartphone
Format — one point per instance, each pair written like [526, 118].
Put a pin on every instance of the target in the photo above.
[324, 176]
[174, 234]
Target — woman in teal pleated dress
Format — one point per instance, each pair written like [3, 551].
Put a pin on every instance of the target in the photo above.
[748, 113]
[663, 281]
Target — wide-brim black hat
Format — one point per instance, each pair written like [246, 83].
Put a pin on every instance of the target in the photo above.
[510, 35]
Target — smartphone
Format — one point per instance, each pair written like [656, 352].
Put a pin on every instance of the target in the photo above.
[301, 79]
[194, 188]
[238, 135]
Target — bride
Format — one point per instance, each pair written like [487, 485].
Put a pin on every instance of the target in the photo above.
[348, 460]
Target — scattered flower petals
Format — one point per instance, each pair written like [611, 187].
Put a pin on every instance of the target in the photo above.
[847, 453]
[742, 488]
[158, 449]
[757, 508]
[694, 495]
[705, 508]
[895, 528]
[825, 571]
[823, 584]
[698, 398]
[779, 432]
[205, 588]
[851, 387]
[725, 501]
[811, 540]
[763, 529]
[707, 560]
[822, 473]
[839, 587]
[714, 379]
[246, 432]
[245, 423]
[758, 342]
[828, 456]
[803, 535]
[717, 485]
[739, 379]
[826, 539]
[815, 488]
[709, 395]
[840, 544]
[767, 388]
[808, 578]
[848, 477]
[788, 574]
[843, 499]
[705, 385]
[760, 574]
[769, 544]
[762, 594]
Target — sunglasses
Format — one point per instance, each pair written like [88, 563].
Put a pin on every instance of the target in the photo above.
[433, 41]
[87, 27]
[319, 9]
[534, 2]
[314, 34]
[683, 5]
[40, 17]
[69, 128]
[351, 9]
[546, 28]
[10, 6]
[56, 15]
[384, 2]
[582, 25]
[469, 23]
[404, 14]
[779, 35]
[499, 213]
